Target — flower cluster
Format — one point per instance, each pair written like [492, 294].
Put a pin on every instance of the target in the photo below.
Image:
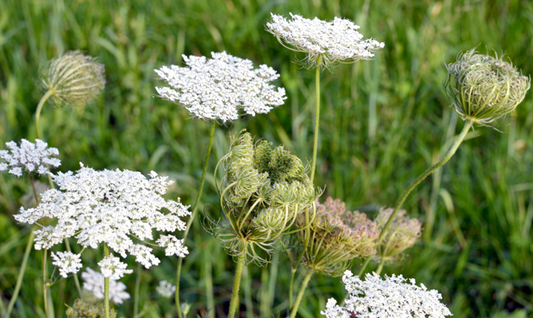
[94, 282]
[486, 88]
[325, 42]
[165, 289]
[265, 190]
[216, 88]
[29, 157]
[403, 232]
[67, 262]
[389, 298]
[73, 78]
[82, 309]
[337, 236]
[109, 207]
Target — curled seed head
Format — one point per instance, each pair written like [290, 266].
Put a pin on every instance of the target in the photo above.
[483, 88]
[73, 78]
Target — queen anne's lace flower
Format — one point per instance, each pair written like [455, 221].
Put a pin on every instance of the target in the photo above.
[389, 298]
[112, 267]
[172, 245]
[165, 289]
[67, 262]
[325, 42]
[94, 282]
[29, 157]
[214, 89]
[109, 207]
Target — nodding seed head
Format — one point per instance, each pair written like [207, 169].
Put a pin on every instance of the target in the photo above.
[483, 88]
[73, 78]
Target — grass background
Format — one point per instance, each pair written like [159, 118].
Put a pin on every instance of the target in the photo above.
[383, 123]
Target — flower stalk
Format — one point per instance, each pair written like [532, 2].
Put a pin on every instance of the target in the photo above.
[305, 281]
[417, 181]
[317, 120]
[38, 111]
[106, 286]
[193, 215]
[236, 283]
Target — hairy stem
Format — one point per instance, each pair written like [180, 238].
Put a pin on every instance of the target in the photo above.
[307, 277]
[106, 287]
[420, 178]
[22, 270]
[38, 130]
[38, 111]
[137, 288]
[236, 283]
[193, 215]
[317, 120]
[45, 285]
[380, 267]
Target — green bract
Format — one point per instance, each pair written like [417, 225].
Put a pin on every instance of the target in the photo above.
[262, 193]
[336, 237]
[483, 88]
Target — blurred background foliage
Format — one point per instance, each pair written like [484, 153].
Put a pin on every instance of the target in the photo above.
[383, 123]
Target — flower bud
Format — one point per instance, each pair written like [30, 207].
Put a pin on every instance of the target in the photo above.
[73, 78]
[483, 88]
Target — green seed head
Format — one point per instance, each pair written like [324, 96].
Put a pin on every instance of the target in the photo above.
[263, 191]
[483, 88]
[82, 309]
[337, 237]
[73, 78]
[403, 232]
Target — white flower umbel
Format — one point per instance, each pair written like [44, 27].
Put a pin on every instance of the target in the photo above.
[107, 207]
[112, 267]
[29, 157]
[165, 289]
[94, 282]
[67, 262]
[172, 245]
[216, 88]
[325, 42]
[389, 298]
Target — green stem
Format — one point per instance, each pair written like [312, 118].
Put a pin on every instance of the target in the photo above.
[106, 287]
[295, 266]
[38, 130]
[236, 283]
[38, 111]
[45, 284]
[380, 267]
[209, 294]
[76, 280]
[22, 270]
[291, 284]
[424, 175]
[193, 215]
[137, 288]
[307, 277]
[317, 120]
